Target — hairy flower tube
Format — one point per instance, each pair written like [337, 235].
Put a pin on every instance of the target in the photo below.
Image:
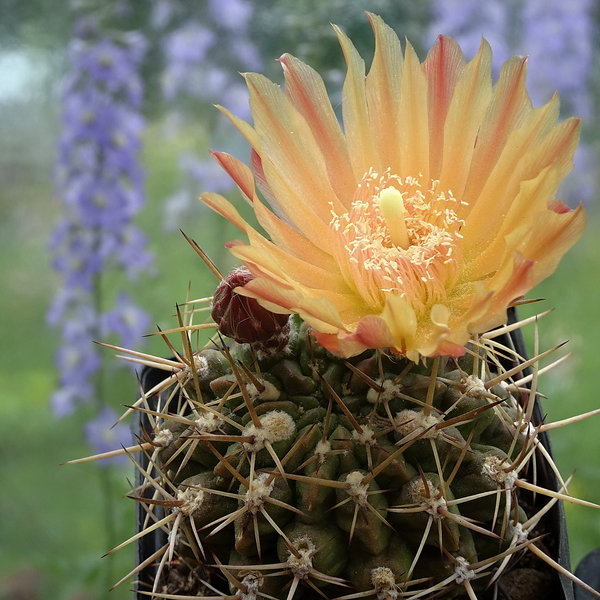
[423, 219]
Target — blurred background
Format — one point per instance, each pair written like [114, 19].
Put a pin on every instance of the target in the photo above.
[106, 118]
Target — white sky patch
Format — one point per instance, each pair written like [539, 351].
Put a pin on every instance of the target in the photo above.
[19, 72]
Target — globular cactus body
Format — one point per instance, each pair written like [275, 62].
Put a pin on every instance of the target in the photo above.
[295, 473]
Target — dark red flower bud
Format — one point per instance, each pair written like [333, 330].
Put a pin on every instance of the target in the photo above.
[240, 318]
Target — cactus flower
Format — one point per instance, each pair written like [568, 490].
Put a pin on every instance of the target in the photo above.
[421, 221]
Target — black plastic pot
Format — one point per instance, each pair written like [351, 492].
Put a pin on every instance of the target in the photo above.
[521, 585]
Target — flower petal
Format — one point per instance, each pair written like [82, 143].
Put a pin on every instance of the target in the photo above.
[287, 143]
[307, 92]
[468, 105]
[361, 146]
[443, 66]
[509, 105]
[382, 89]
[413, 119]
[239, 172]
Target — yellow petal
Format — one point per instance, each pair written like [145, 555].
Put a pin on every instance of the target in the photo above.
[402, 321]
[509, 105]
[290, 240]
[360, 143]
[225, 209]
[288, 144]
[382, 88]
[413, 125]
[244, 128]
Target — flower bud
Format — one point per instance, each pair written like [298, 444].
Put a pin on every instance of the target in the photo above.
[240, 318]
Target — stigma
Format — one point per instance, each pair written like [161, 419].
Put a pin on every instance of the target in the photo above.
[391, 204]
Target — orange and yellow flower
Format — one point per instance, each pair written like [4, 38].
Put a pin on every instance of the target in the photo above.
[423, 219]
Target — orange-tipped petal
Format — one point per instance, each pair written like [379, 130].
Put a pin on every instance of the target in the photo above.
[287, 143]
[307, 92]
[443, 66]
[509, 105]
[225, 209]
[469, 103]
[238, 171]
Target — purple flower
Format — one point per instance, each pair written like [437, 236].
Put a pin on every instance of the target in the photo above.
[112, 67]
[558, 37]
[231, 14]
[65, 399]
[199, 174]
[127, 320]
[130, 250]
[78, 260]
[104, 436]
[185, 49]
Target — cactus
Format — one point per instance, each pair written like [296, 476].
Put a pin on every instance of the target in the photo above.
[284, 471]
[361, 425]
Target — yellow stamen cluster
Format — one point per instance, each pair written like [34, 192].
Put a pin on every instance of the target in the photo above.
[397, 238]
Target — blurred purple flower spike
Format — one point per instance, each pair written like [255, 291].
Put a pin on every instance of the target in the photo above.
[202, 55]
[104, 436]
[231, 14]
[127, 320]
[100, 183]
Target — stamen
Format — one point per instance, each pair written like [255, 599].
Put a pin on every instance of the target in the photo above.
[391, 204]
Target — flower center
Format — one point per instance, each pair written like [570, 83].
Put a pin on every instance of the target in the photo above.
[398, 238]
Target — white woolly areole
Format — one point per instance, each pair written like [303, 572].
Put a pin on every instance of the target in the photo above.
[258, 493]
[429, 497]
[201, 366]
[209, 422]
[322, 450]
[462, 570]
[192, 499]
[474, 387]
[496, 469]
[413, 421]
[163, 438]
[275, 426]
[520, 534]
[389, 391]
[301, 566]
[269, 393]
[367, 437]
[384, 583]
[357, 489]
[252, 583]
